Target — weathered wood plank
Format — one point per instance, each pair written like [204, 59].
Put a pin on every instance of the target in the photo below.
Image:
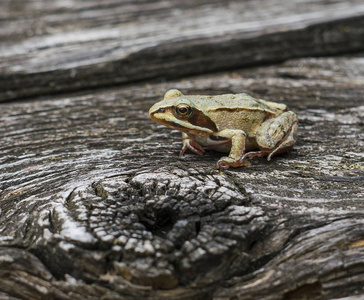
[94, 201]
[60, 46]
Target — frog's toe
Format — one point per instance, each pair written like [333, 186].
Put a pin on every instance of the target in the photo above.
[193, 146]
[227, 162]
[252, 154]
[222, 165]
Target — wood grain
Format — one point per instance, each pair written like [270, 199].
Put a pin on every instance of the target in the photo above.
[96, 202]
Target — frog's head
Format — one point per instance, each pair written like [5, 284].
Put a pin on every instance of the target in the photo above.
[180, 112]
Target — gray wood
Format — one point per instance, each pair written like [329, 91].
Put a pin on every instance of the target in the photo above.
[96, 204]
[61, 46]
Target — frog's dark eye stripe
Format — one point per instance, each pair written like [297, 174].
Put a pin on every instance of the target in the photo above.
[193, 116]
[198, 118]
[183, 111]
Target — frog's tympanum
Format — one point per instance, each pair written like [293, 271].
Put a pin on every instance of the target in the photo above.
[228, 123]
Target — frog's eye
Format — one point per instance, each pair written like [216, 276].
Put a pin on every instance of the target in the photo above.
[183, 111]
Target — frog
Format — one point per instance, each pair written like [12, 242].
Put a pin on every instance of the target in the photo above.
[238, 124]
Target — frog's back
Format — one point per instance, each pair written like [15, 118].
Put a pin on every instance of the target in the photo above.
[234, 102]
[239, 111]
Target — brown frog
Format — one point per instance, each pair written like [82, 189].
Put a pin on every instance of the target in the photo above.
[230, 123]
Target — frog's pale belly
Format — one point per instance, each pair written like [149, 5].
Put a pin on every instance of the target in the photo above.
[221, 144]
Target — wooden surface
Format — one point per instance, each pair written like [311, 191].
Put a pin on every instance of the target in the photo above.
[96, 204]
[62, 46]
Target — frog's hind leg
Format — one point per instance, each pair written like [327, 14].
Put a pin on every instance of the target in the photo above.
[287, 143]
[277, 135]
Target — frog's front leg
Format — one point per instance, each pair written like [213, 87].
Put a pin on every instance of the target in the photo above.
[276, 135]
[191, 144]
[238, 141]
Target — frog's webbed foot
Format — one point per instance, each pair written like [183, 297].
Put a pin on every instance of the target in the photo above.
[227, 162]
[191, 145]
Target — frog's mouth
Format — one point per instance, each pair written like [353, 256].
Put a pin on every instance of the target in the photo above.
[174, 123]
